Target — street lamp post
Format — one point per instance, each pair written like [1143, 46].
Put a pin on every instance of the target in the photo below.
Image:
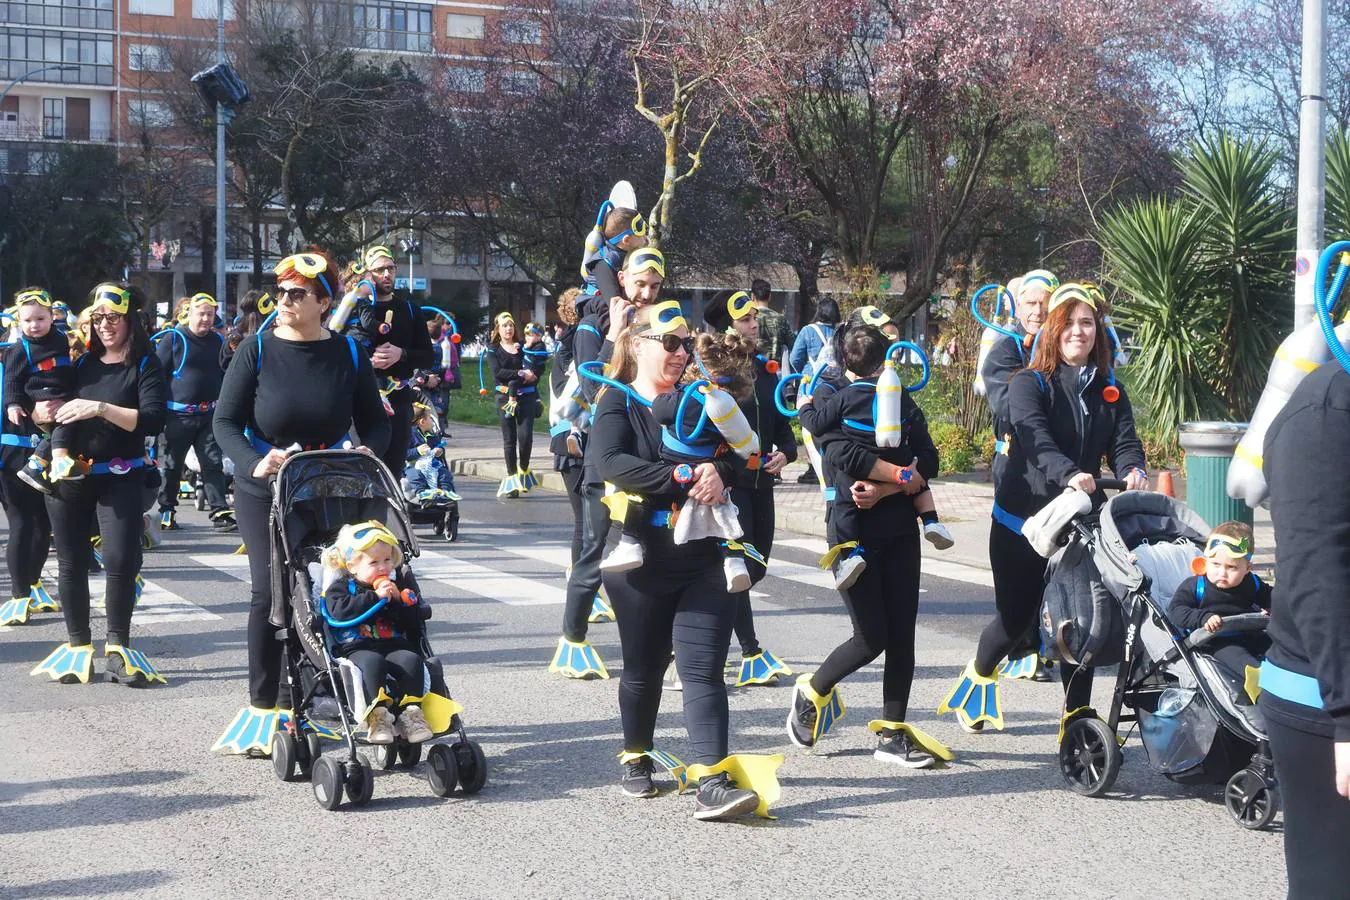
[1311, 158]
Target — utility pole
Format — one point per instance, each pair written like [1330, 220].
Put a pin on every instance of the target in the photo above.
[1311, 158]
[221, 115]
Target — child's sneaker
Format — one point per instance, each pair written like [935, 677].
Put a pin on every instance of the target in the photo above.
[33, 474]
[66, 468]
[627, 554]
[937, 534]
[412, 725]
[574, 444]
[380, 726]
[738, 576]
[847, 569]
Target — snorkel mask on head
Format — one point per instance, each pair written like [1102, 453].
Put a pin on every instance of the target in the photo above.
[1037, 278]
[309, 266]
[354, 539]
[647, 259]
[111, 297]
[1222, 546]
[667, 316]
[373, 254]
[38, 296]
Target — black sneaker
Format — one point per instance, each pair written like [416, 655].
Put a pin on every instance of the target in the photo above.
[801, 720]
[718, 798]
[115, 670]
[637, 778]
[808, 477]
[33, 478]
[896, 747]
[223, 521]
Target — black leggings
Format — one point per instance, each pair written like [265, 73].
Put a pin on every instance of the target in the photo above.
[676, 600]
[883, 604]
[754, 509]
[571, 477]
[1019, 582]
[400, 432]
[402, 667]
[180, 434]
[518, 431]
[264, 650]
[116, 503]
[1316, 818]
[30, 534]
[585, 580]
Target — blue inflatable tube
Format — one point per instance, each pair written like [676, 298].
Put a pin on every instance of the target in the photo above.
[923, 361]
[998, 308]
[1324, 301]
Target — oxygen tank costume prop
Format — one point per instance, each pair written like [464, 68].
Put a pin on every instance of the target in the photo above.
[1305, 678]
[619, 229]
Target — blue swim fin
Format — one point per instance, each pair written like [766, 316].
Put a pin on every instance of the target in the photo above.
[1023, 667]
[762, 668]
[15, 612]
[41, 600]
[68, 664]
[601, 611]
[252, 731]
[975, 700]
[127, 665]
[577, 660]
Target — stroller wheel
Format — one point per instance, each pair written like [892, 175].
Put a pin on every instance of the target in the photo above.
[200, 502]
[326, 779]
[1089, 757]
[284, 755]
[360, 782]
[385, 756]
[1252, 799]
[452, 525]
[472, 766]
[314, 746]
[442, 770]
[409, 755]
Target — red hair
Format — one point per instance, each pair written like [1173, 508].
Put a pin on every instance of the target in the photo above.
[329, 284]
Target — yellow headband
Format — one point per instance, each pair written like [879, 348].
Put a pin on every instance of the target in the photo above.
[1073, 291]
[644, 260]
[502, 318]
[40, 297]
[667, 316]
[375, 253]
[113, 297]
[739, 305]
[354, 539]
[202, 300]
[1038, 278]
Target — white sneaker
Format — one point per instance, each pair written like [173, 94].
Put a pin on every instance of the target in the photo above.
[937, 534]
[627, 554]
[673, 682]
[847, 570]
[412, 725]
[379, 726]
[738, 576]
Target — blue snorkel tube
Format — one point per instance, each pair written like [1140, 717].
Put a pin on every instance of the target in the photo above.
[778, 399]
[923, 361]
[1324, 302]
[454, 330]
[173, 332]
[590, 370]
[1003, 295]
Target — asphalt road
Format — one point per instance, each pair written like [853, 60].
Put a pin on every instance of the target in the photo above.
[108, 791]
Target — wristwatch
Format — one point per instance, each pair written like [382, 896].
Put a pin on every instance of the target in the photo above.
[684, 473]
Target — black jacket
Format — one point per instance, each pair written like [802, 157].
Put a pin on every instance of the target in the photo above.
[1006, 358]
[395, 626]
[1059, 430]
[1310, 508]
[1188, 611]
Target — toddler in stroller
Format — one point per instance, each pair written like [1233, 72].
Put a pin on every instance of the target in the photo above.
[428, 483]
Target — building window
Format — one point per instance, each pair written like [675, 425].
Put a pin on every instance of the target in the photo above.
[468, 250]
[90, 56]
[151, 7]
[95, 14]
[390, 26]
[466, 81]
[206, 9]
[149, 114]
[465, 27]
[53, 117]
[522, 83]
[515, 31]
[149, 58]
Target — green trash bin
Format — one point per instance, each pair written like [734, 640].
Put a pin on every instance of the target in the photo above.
[1209, 449]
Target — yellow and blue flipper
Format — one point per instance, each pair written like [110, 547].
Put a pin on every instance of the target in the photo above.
[762, 668]
[748, 549]
[15, 612]
[140, 586]
[1022, 667]
[41, 600]
[838, 550]
[437, 709]
[577, 660]
[618, 503]
[242, 549]
[509, 483]
[320, 730]
[748, 771]
[974, 699]
[667, 761]
[601, 611]
[68, 664]
[921, 739]
[136, 668]
[829, 707]
[253, 730]
[528, 480]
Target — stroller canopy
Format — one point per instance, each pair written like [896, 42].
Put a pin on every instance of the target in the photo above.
[1139, 517]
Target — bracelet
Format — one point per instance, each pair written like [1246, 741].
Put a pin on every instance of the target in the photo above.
[102, 408]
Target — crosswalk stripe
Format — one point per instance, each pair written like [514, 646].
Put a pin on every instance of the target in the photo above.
[937, 568]
[156, 604]
[462, 575]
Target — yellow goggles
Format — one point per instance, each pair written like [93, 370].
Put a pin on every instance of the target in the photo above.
[1072, 292]
[1038, 278]
[359, 538]
[646, 259]
[739, 305]
[266, 305]
[1222, 546]
[41, 298]
[377, 252]
[307, 265]
[873, 316]
[113, 297]
[667, 316]
[202, 300]
[503, 318]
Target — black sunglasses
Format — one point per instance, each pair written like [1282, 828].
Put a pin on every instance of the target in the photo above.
[294, 295]
[671, 342]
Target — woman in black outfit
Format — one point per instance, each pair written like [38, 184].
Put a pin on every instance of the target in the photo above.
[121, 396]
[1066, 413]
[515, 376]
[296, 384]
[677, 597]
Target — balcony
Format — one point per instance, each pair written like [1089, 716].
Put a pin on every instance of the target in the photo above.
[51, 132]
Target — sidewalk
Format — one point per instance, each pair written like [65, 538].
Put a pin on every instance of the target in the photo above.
[963, 501]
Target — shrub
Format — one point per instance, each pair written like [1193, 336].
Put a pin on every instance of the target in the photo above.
[955, 451]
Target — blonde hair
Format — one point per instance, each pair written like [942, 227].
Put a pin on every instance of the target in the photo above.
[726, 359]
[1239, 531]
[335, 558]
[567, 305]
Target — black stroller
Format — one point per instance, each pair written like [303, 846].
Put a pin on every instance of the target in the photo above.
[315, 494]
[1106, 604]
[432, 507]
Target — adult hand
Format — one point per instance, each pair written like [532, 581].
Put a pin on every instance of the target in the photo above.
[269, 464]
[1083, 482]
[866, 494]
[529, 376]
[16, 415]
[707, 486]
[1213, 624]
[79, 411]
[432, 380]
[386, 355]
[1136, 480]
[774, 462]
[1343, 768]
[619, 310]
[44, 411]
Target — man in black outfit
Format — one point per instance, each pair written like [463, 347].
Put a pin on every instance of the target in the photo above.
[392, 332]
[190, 354]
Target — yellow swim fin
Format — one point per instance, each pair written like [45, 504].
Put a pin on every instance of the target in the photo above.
[439, 711]
[41, 600]
[68, 664]
[922, 739]
[601, 611]
[577, 660]
[15, 611]
[135, 669]
[252, 731]
[749, 771]
[974, 699]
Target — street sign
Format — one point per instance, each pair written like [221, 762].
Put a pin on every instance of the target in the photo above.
[401, 284]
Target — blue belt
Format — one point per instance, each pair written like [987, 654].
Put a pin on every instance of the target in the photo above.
[1291, 686]
[264, 448]
[18, 440]
[662, 518]
[191, 408]
[829, 494]
[1008, 520]
[699, 451]
[525, 390]
[1002, 447]
[561, 428]
[116, 466]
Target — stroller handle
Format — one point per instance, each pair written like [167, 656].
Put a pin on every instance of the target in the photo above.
[1110, 484]
[1247, 622]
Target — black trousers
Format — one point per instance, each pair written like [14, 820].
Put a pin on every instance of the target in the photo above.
[116, 503]
[403, 668]
[585, 580]
[1019, 582]
[400, 431]
[571, 477]
[30, 534]
[1316, 818]
[677, 602]
[181, 433]
[518, 432]
[754, 510]
[884, 606]
[264, 650]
